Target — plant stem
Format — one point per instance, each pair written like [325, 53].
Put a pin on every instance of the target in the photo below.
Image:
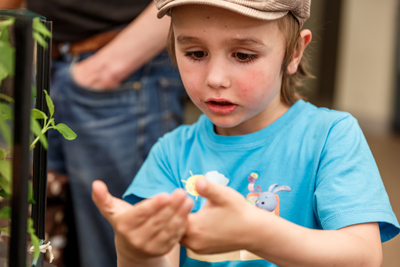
[38, 137]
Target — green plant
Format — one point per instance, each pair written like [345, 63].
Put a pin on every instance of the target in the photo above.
[7, 59]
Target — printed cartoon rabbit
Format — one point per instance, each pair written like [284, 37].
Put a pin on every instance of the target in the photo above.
[269, 200]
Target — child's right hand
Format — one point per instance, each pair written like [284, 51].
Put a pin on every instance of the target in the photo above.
[148, 229]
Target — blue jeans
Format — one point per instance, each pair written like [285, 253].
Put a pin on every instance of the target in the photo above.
[116, 130]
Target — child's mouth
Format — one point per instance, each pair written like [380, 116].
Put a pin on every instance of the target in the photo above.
[221, 107]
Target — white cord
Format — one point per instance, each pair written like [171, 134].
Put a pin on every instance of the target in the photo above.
[44, 248]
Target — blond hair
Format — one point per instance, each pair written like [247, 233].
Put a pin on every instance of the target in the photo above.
[291, 28]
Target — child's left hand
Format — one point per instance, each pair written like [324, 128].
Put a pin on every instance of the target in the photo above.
[222, 224]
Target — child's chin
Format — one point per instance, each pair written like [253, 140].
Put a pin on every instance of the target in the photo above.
[224, 123]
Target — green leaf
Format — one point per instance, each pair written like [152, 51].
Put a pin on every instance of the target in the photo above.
[3, 153]
[30, 194]
[6, 98]
[6, 112]
[5, 212]
[34, 239]
[5, 36]
[33, 92]
[40, 28]
[7, 57]
[4, 194]
[50, 104]
[36, 36]
[6, 23]
[5, 130]
[38, 114]
[6, 231]
[37, 130]
[3, 73]
[65, 131]
[5, 171]
[6, 186]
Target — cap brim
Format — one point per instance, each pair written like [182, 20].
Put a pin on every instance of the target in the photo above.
[246, 11]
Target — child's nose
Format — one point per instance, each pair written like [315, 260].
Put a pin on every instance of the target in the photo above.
[218, 74]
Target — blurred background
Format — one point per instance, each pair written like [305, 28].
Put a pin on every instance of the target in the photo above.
[355, 58]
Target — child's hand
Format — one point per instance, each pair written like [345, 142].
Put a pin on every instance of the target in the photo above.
[148, 229]
[222, 224]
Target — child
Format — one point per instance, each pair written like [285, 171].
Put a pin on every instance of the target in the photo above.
[270, 179]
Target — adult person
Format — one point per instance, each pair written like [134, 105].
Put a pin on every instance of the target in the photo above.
[113, 84]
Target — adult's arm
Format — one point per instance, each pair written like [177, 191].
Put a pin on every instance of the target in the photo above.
[137, 44]
[10, 3]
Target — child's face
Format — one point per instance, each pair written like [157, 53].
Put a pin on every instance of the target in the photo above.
[231, 66]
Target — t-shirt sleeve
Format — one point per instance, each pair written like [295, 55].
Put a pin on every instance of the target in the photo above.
[154, 177]
[349, 189]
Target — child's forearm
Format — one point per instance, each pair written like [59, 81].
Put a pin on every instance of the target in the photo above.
[287, 244]
[154, 262]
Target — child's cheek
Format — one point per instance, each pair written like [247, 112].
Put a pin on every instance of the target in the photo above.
[251, 84]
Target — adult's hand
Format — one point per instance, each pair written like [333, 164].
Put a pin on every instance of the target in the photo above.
[88, 73]
[127, 52]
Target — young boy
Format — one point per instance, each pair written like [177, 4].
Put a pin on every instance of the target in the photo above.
[270, 179]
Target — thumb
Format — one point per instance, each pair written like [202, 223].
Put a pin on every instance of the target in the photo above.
[216, 194]
[105, 202]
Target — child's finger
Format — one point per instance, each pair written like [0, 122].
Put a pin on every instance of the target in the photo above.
[102, 198]
[156, 223]
[215, 193]
[186, 207]
[141, 212]
[174, 230]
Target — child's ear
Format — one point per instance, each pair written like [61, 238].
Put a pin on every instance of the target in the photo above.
[305, 39]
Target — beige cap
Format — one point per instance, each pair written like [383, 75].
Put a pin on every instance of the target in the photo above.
[258, 9]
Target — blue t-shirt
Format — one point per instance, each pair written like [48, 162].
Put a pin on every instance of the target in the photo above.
[315, 162]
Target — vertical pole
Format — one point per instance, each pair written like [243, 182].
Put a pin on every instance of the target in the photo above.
[329, 51]
[20, 165]
[396, 122]
[39, 153]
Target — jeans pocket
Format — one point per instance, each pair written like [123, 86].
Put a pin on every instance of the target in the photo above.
[172, 98]
[124, 94]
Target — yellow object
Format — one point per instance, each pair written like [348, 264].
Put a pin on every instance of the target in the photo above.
[191, 184]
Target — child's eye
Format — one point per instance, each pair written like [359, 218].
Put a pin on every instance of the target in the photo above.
[196, 55]
[245, 57]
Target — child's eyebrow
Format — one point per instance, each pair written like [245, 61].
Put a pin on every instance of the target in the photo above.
[244, 41]
[183, 39]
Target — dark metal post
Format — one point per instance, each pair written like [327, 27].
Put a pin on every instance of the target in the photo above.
[20, 167]
[39, 153]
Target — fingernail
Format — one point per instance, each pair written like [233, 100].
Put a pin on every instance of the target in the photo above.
[163, 199]
[188, 204]
[201, 184]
